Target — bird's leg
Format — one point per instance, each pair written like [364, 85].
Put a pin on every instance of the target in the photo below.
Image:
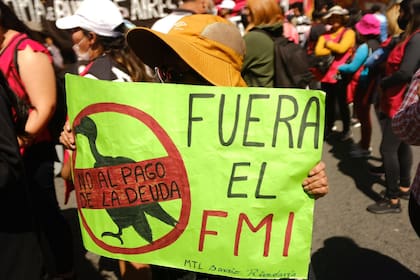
[142, 227]
[116, 235]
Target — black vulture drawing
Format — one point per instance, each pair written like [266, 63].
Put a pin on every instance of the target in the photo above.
[134, 216]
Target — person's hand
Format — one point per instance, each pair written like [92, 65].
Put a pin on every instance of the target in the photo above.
[67, 137]
[316, 184]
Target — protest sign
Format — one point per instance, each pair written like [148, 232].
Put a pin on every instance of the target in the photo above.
[201, 178]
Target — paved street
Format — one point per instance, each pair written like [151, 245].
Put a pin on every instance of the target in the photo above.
[348, 242]
[351, 243]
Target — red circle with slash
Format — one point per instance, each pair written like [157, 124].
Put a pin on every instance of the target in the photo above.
[175, 157]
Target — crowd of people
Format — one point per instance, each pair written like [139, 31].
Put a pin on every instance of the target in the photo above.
[374, 64]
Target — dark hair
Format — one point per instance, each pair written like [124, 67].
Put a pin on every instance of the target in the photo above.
[297, 5]
[412, 11]
[375, 8]
[119, 50]
[354, 16]
[316, 14]
[19, 107]
[9, 20]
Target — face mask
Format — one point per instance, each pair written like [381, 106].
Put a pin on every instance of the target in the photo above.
[81, 56]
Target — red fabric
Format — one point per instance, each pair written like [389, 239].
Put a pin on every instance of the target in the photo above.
[67, 183]
[362, 104]
[330, 76]
[8, 67]
[351, 87]
[7, 61]
[393, 96]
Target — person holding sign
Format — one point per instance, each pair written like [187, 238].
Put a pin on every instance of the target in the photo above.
[173, 64]
[187, 54]
[98, 37]
[201, 50]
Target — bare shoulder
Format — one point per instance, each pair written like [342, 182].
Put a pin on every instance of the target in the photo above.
[29, 56]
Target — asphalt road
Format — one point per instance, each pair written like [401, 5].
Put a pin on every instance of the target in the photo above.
[348, 242]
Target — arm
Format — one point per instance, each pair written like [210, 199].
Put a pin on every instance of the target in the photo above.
[316, 183]
[347, 41]
[37, 74]
[376, 58]
[409, 64]
[320, 48]
[357, 61]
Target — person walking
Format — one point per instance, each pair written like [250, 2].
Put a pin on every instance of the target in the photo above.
[402, 62]
[176, 52]
[339, 41]
[98, 37]
[27, 66]
[175, 63]
[377, 61]
[266, 20]
[20, 252]
[406, 125]
[363, 82]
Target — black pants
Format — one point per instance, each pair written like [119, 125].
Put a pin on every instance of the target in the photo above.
[336, 94]
[20, 256]
[52, 225]
[397, 159]
[20, 253]
[414, 214]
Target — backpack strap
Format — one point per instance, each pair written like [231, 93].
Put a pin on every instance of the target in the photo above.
[286, 75]
[16, 64]
[339, 37]
[15, 55]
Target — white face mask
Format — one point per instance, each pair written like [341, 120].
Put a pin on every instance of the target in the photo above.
[81, 56]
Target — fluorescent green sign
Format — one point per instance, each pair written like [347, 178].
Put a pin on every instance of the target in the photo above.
[199, 178]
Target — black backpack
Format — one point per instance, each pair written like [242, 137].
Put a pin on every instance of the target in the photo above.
[11, 165]
[57, 121]
[291, 65]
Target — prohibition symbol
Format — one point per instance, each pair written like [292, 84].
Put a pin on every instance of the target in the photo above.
[139, 197]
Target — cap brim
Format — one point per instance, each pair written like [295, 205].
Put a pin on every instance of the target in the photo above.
[68, 22]
[154, 47]
[226, 7]
[335, 13]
